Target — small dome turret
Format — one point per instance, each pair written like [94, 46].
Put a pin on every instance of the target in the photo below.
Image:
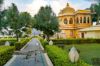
[67, 10]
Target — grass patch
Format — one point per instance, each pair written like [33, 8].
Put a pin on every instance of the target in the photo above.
[87, 51]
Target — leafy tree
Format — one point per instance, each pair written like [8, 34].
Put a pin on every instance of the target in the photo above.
[17, 21]
[1, 18]
[1, 2]
[94, 15]
[97, 10]
[26, 21]
[4, 21]
[12, 18]
[1, 13]
[25, 18]
[95, 7]
[46, 21]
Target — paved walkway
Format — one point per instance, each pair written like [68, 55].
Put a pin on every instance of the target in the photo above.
[31, 56]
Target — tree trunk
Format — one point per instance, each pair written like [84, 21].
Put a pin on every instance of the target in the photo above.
[17, 37]
[48, 38]
[43, 36]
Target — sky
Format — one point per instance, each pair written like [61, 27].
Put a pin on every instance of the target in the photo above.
[33, 6]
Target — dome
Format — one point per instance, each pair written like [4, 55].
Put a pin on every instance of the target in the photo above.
[67, 10]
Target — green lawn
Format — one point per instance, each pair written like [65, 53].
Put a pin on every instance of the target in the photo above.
[87, 51]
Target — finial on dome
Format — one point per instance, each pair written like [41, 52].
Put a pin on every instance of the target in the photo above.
[67, 4]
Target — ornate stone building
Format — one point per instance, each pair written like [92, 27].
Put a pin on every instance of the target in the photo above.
[72, 21]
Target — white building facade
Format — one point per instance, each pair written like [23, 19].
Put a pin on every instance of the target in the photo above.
[91, 32]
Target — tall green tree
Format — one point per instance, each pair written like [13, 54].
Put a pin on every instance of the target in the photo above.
[1, 2]
[94, 15]
[97, 10]
[3, 20]
[26, 21]
[46, 21]
[12, 17]
[1, 13]
[17, 21]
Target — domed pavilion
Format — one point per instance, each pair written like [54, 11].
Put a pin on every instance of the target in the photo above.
[72, 21]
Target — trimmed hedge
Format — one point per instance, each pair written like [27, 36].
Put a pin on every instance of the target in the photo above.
[59, 57]
[19, 45]
[5, 54]
[11, 40]
[75, 41]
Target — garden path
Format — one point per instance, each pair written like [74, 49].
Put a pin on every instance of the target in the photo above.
[30, 55]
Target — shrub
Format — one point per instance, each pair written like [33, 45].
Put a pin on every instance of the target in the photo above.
[21, 43]
[5, 54]
[59, 57]
[11, 40]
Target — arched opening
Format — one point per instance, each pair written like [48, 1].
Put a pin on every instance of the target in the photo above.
[84, 19]
[80, 19]
[71, 21]
[65, 21]
[77, 20]
[88, 19]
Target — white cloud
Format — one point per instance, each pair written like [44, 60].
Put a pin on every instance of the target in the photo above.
[7, 3]
[34, 7]
[56, 5]
[21, 6]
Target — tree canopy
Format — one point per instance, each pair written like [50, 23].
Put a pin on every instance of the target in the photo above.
[17, 21]
[1, 13]
[46, 21]
[1, 2]
[26, 22]
[95, 9]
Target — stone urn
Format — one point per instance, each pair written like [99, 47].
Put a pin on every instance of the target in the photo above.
[7, 43]
[50, 42]
[73, 55]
